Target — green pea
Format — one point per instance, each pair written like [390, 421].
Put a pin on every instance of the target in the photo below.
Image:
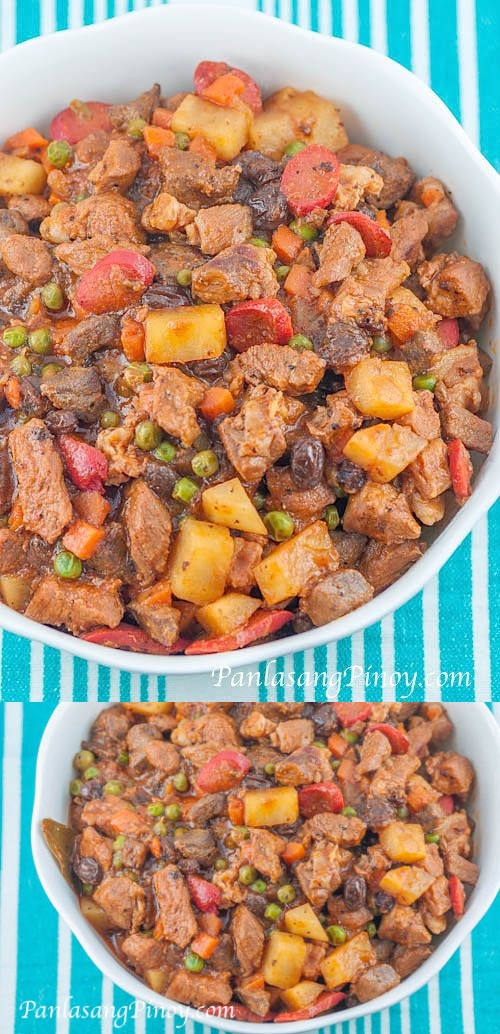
[192, 962]
[402, 813]
[184, 277]
[147, 435]
[294, 148]
[259, 500]
[424, 382]
[52, 296]
[40, 342]
[304, 230]
[50, 370]
[432, 838]
[155, 809]
[350, 737]
[180, 832]
[113, 787]
[336, 934]
[180, 781]
[138, 373]
[381, 344]
[15, 337]
[83, 759]
[67, 565]
[122, 759]
[21, 366]
[109, 418]
[182, 141]
[279, 525]
[119, 842]
[59, 153]
[273, 912]
[259, 242]
[173, 812]
[87, 889]
[160, 829]
[319, 743]
[270, 768]
[242, 832]
[184, 490]
[332, 518]
[371, 930]
[258, 887]
[135, 128]
[205, 463]
[117, 860]
[300, 342]
[220, 864]
[335, 763]
[349, 812]
[75, 787]
[90, 773]
[286, 894]
[166, 452]
[282, 271]
[247, 875]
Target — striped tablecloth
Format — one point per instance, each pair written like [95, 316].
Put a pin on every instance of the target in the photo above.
[446, 640]
[42, 966]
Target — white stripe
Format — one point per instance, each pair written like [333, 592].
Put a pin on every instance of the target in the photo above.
[405, 1017]
[67, 683]
[385, 1022]
[467, 67]
[11, 848]
[63, 974]
[121, 7]
[419, 22]
[434, 1006]
[75, 14]
[480, 611]
[496, 712]
[285, 9]
[378, 23]
[47, 17]
[140, 1023]
[368, 1025]
[387, 654]
[430, 630]
[36, 671]
[350, 26]
[107, 1006]
[467, 987]
[358, 666]
[100, 10]
[325, 17]
[304, 11]
[114, 684]
[92, 681]
[7, 24]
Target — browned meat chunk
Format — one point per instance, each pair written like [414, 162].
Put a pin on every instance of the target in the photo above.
[143, 952]
[263, 851]
[26, 208]
[423, 419]
[42, 493]
[343, 830]
[375, 750]
[382, 513]
[406, 960]
[77, 606]
[356, 182]
[473, 431]
[248, 936]
[12, 551]
[255, 437]
[450, 772]
[340, 252]
[349, 547]
[382, 563]
[176, 917]
[138, 739]
[455, 285]
[94, 845]
[174, 399]
[289, 736]
[109, 216]
[430, 470]
[12, 222]
[90, 335]
[123, 901]
[256, 999]
[27, 258]
[420, 350]
[195, 180]
[169, 259]
[199, 844]
[336, 594]
[279, 366]
[466, 870]
[375, 982]
[343, 344]
[242, 271]
[306, 503]
[200, 989]
[159, 620]
[118, 167]
[245, 559]
[440, 213]
[362, 296]
[397, 175]
[77, 388]
[148, 526]
[407, 234]
[319, 876]
[306, 765]
[312, 965]
[163, 756]
[165, 214]
[208, 807]
[404, 926]
[220, 227]
[141, 108]
[339, 413]
[437, 898]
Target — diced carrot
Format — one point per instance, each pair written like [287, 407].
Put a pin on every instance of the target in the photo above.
[132, 340]
[204, 945]
[12, 392]
[155, 847]
[34, 307]
[337, 745]
[199, 145]
[346, 771]
[27, 139]
[59, 330]
[418, 796]
[236, 811]
[162, 117]
[298, 282]
[432, 711]
[216, 401]
[405, 321]
[82, 539]
[255, 982]
[224, 90]
[158, 930]
[210, 923]
[160, 592]
[127, 822]
[287, 244]
[16, 517]
[91, 507]
[431, 194]
[155, 138]
[293, 852]
[381, 219]
[54, 199]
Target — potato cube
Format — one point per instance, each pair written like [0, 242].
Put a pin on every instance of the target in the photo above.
[284, 959]
[21, 176]
[200, 561]
[278, 806]
[384, 450]
[348, 961]
[303, 994]
[229, 504]
[403, 842]
[285, 571]
[185, 334]
[15, 591]
[226, 129]
[227, 614]
[304, 921]
[406, 884]
[292, 114]
[380, 387]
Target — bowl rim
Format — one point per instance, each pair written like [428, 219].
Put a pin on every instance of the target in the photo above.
[447, 541]
[95, 947]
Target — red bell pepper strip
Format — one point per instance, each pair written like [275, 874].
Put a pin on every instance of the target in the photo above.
[235, 1011]
[461, 470]
[129, 637]
[310, 179]
[259, 626]
[206, 896]
[259, 322]
[208, 71]
[319, 797]
[447, 804]
[222, 772]
[376, 240]
[80, 120]
[325, 1003]
[457, 895]
[349, 714]
[115, 282]
[86, 466]
[398, 740]
[449, 332]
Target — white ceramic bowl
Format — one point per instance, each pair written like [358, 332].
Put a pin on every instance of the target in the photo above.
[382, 105]
[476, 735]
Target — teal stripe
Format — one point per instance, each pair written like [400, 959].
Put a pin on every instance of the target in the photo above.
[444, 54]
[455, 620]
[364, 35]
[494, 609]
[398, 31]
[487, 46]
[28, 20]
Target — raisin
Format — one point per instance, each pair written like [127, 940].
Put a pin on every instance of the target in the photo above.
[377, 812]
[91, 790]
[268, 207]
[61, 421]
[383, 901]
[209, 369]
[87, 870]
[166, 296]
[343, 345]
[350, 477]
[307, 461]
[243, 191]
[355, 892]
[258, 168]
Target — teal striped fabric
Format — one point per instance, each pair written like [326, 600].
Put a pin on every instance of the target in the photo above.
[445, 642]
[41, 963]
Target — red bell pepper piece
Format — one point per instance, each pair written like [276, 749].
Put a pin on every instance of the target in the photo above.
[325, 1003]
[349, 714]
[115, 282]
[260, 625]
[319, 797]
[222, 772]
[376, 240]
[206, 896]
[310, 179]
[259, 322]
[208, 71]
[449, 332]
[129, 637]
[80, 120]
[397, 738]
[447, 804]
[457, 895]
[461, 470]
[235, 1011]
[86, 466]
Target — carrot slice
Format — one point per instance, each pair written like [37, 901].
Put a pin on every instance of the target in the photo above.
[310, 179]
[294, 852]
[29, 139]
[216, 401]
[82, 539]
[298, 282]
[224, 90]
[155, 138]
[204, 945]
[287, 244]
[132, 340]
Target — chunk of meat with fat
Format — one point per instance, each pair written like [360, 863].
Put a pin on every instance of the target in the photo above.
[406, 960]
[404, 926]
[77, 388]
[200, 989]
[27, 257]
[142, 107]
[256, 726]
[311, 969]
[143, 952]
[12, 551]
[245, 559]
[407, 234]
[336, 594]
[343, 830]
[176, 919]
[455, 285]
[149, 527]
[263, 851]
[355, 183]
[304, 503]
[305, 765]
[159, 620]
[163, 756]
[239, 272]
[195, 180]
[80, 256]
[248, 937]
[293, 734]
[349, 547]
[319, 876]
[382, 513]
[450, 772]
[77, 606]
[118, 167]
[278, 366]
[362, 296]
[423, 418]
[173, 402]
[382, 563]
[220, 227]
[472, 430]
[123, 901]
[90, 335]
[430, 470]
[373, 752]
[94, 845]
[396, 173]
[255, 438]
[166, 213]
[42, 493]
[439, 210]
[108, 215]
[338, 413]
[342, 249]
[376, 981]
